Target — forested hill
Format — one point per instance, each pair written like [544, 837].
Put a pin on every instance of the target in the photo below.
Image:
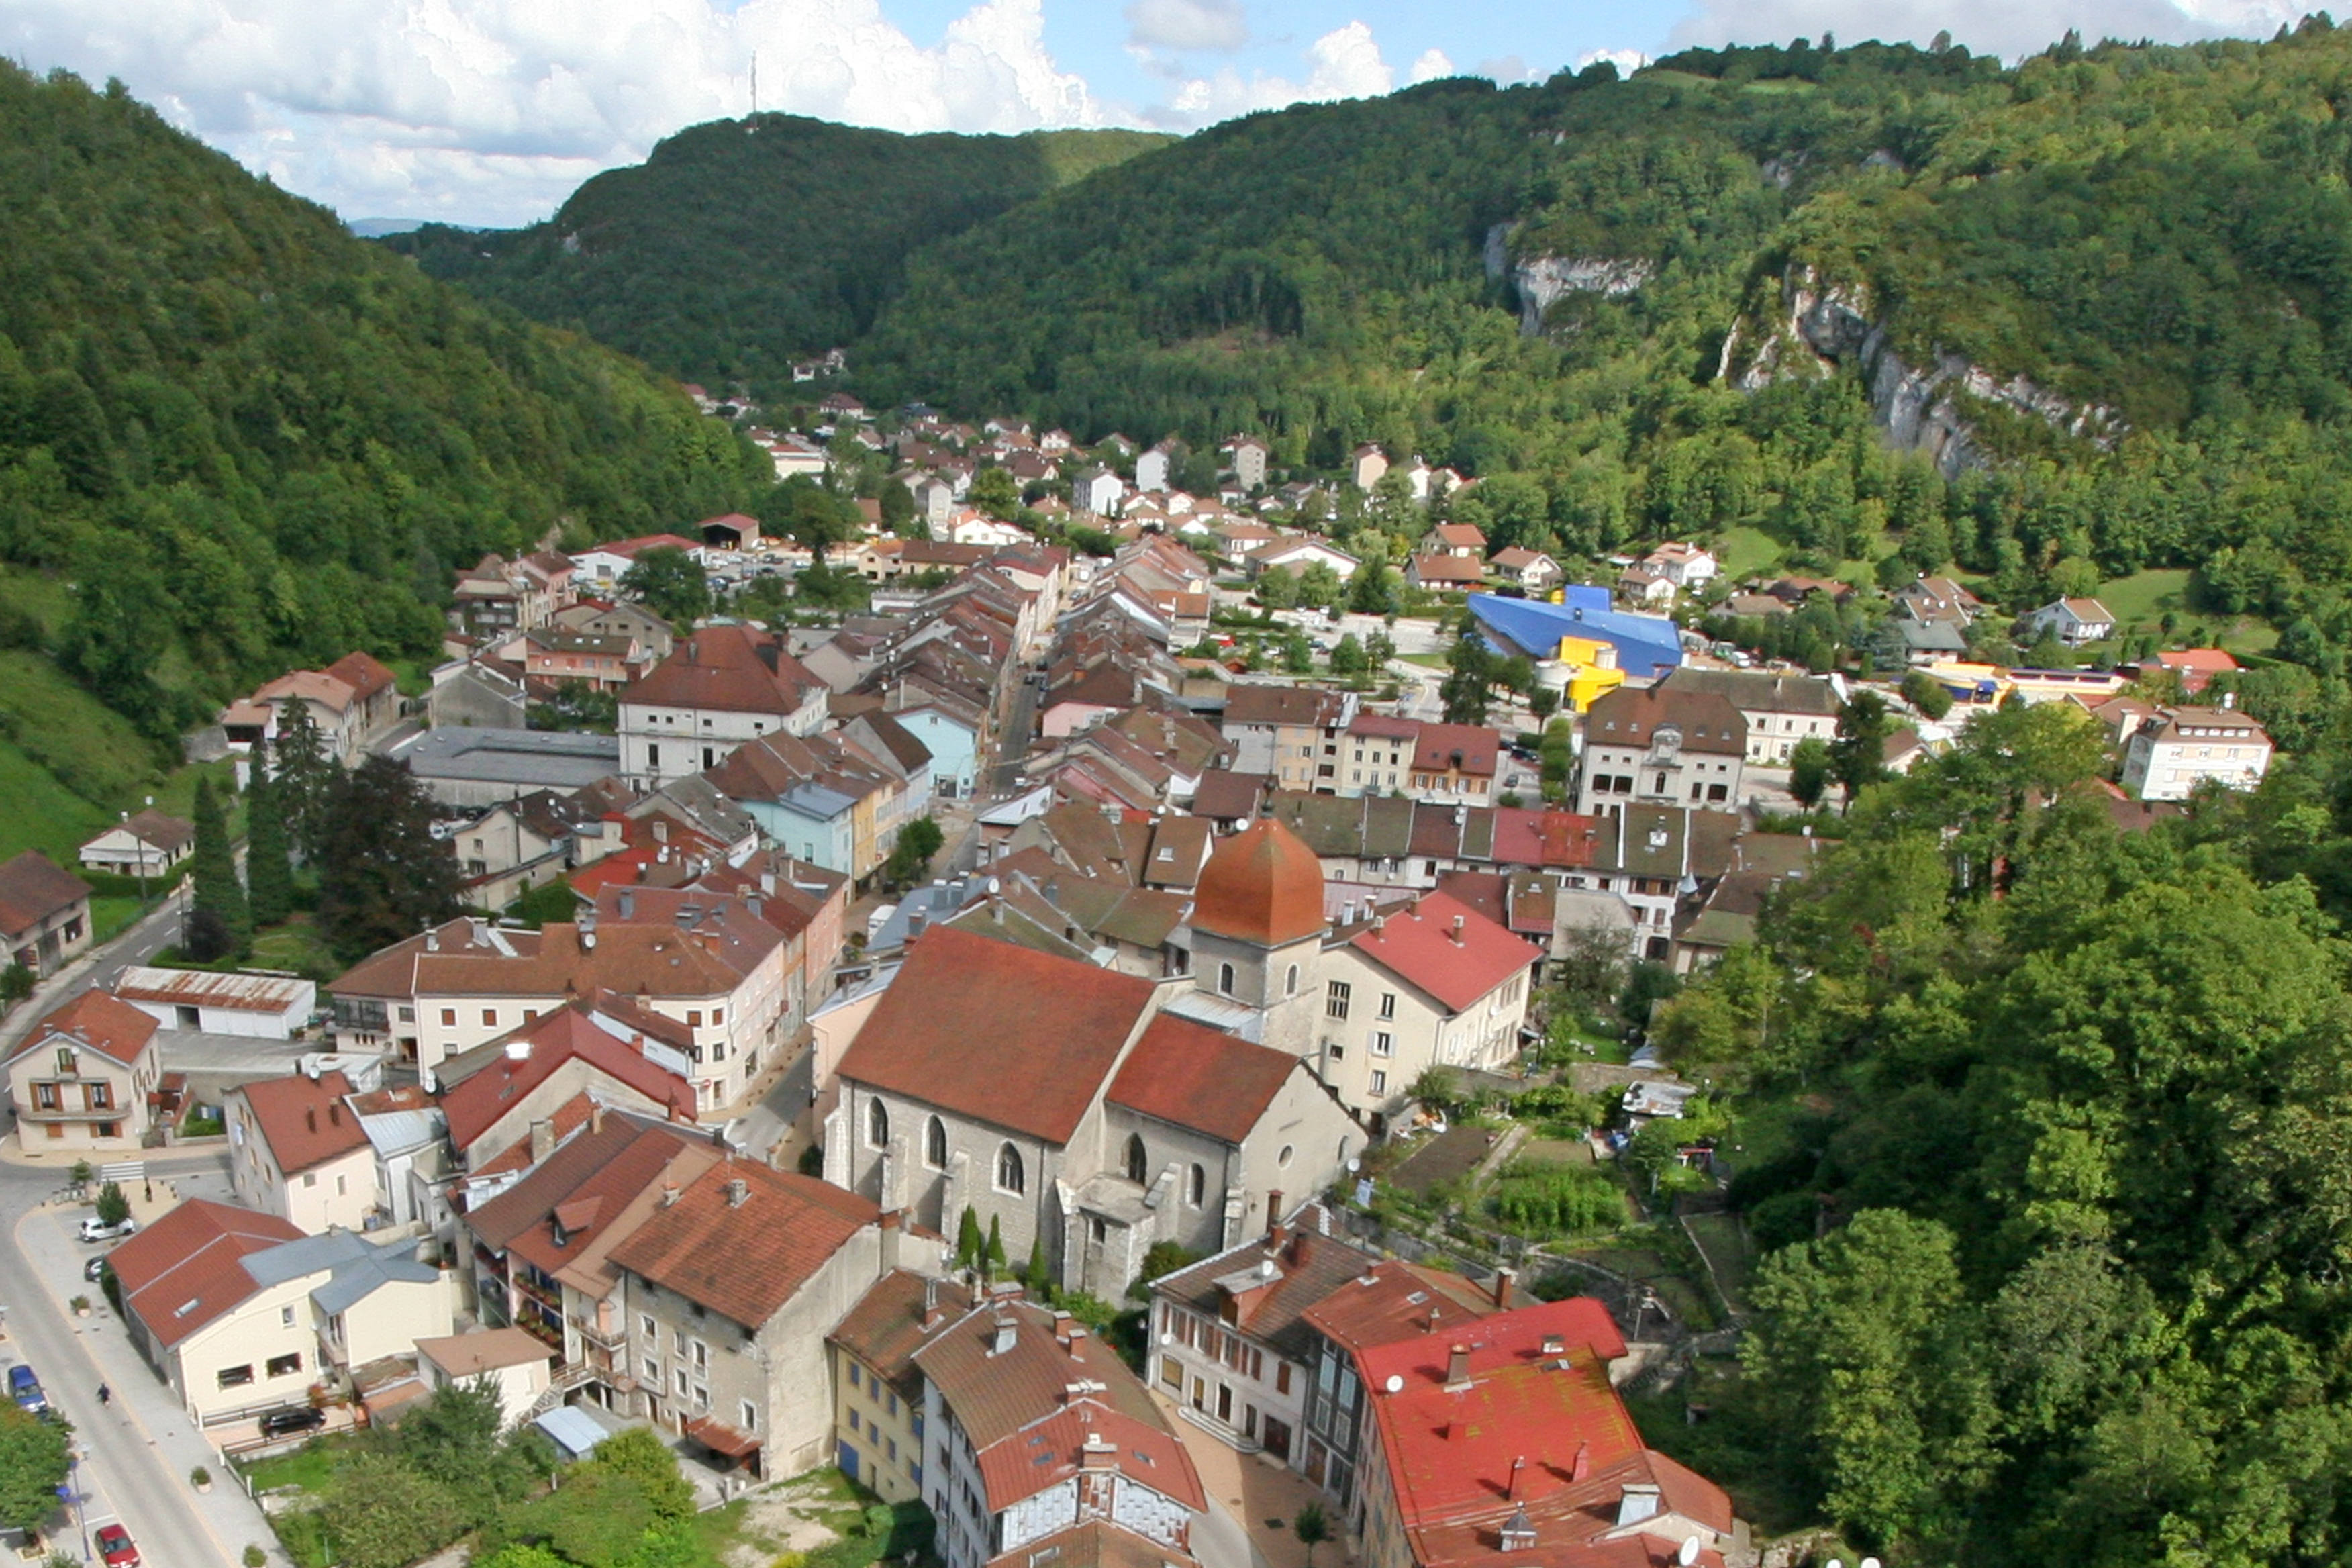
[235, 438]
[742, 245]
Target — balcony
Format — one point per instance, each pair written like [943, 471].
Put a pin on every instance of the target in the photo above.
[615, 1339]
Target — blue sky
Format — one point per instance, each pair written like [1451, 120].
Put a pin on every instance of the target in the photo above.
[490, 111]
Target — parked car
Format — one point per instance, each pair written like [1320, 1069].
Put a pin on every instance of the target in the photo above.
[95, 1269]
[96, 1229]
[115, 1545]
[25, 1388]
[293, 1419]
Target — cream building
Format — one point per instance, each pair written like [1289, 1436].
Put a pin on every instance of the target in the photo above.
[82, 1078]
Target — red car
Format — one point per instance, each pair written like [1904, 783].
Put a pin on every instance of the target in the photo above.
[114, 1544]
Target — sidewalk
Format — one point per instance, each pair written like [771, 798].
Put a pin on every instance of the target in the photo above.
[1255, 1498]
[143, 1406]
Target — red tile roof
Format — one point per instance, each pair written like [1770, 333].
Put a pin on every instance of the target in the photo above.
[744, 1260]
[565, 1034]
[363, 674]
[1015, 1037]
[1525, 836]
[1464, 747]
[303, 1120]
[1446, 949]
[115, 1029]
[1190, 1075]
[1263, 885]
[1394, 1300]
[729, 669]
[886, 1328]
[1532, 1424]
[188, 1268]
[32, 889]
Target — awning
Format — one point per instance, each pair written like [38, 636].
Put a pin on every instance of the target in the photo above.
[721, 1438]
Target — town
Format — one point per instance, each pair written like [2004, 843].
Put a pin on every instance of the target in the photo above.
[1087, 993]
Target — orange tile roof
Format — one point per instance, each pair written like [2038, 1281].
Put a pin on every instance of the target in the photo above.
[32, 889]
[1015, 1037]
[1191, 1076]
[303, 1120]
[729, 669]
[1263, 885]
[568, 1034]
[114, 1029]
[188, 1268]
[745, 1260]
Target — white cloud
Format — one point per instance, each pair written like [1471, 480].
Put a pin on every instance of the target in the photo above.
[493, 110]
[1183, 25]
[1345, 63]
[1431, 65]
[1627, 61]
[2005, 28]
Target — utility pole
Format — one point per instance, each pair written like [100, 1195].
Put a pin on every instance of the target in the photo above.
[755, 81]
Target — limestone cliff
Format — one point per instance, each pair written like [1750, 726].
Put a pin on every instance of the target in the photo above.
[1539, 282]
[1821, 325]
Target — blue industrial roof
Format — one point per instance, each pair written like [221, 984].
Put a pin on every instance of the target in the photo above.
[1646, 646]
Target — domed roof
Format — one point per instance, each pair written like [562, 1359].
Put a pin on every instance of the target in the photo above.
[1263, 885]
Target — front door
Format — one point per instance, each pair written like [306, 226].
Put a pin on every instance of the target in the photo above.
[1277, 1438]
[1225, 1403]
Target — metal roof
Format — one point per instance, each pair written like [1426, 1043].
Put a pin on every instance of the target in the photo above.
[201, 988]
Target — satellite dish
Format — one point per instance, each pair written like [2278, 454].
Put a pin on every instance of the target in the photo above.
[1396, 1384]
[1354, 1166]
[1689, 1553]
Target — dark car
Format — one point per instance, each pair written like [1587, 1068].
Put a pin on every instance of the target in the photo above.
[293, 1419]
[115, 1545]
[95, 1269]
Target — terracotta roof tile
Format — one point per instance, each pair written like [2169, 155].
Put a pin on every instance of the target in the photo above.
[32, 889]
[304, 1120]
[744, 1259]
[1263, 885]
[1025, 1045]
[1448, 949]
[568, 1034]
[1190, 1075]
[188, 1268]
[113, 1028]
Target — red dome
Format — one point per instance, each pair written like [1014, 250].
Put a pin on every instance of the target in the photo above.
[1263, 885]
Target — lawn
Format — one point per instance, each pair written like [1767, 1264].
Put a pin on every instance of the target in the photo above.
[109, 917]
[1745, 551]
[307, 1466]
[42, 814]
[2142, 599]
[296, 946]
[1725, 1242]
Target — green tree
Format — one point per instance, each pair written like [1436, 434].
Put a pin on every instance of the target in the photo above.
[219, 924]
[1858, 754]
[897, 504]
[1319, 586]
[1311, 1527]
[304, 776]
[1276, 588]
[1809, 769]
[378, 1512]
[971, 1246]
[1348, 657]
[35, 1456]
[642, 1457]
[992, 1256]
[114, 1207]
[994, 493]
[382, 876]
[1866, 1347]
[1925, 694]
[669, 582]
[16, 983]
[910, 857]
[1468, 688]
[269, 869]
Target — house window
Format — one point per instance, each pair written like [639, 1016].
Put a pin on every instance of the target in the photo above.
[877, 1125]
[684, 1383]
[1290, 982]
[285, 1365]
[489, 1017]
[1383, 1043]
[99, 1096]
[1225, 978]
[285, 1317]
[237, 1376]
[1335, 999]
[1379, 1083]
[105, 1129]
[935, 1144]
[750, 1413]
[1196, 1186]
[45, 1096]
[1388, 1004]
[448, 1018]
[857, 1375]
[1010, 1175]
[1138, 1163]
[694, 1017]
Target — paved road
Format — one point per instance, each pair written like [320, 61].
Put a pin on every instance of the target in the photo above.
[137, 1451]
[1013, 743]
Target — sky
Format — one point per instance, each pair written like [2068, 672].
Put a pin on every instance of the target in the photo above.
[491, 112]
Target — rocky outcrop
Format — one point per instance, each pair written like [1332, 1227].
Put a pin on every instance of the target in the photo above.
[1538, 281]
[1922, 409]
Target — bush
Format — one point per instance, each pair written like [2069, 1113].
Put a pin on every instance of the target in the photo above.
[114, 1207]
[255, 1557]
[1783, 1220]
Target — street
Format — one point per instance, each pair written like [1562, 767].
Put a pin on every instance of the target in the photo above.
[135, 1453]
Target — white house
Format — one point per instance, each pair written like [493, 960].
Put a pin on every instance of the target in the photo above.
[1297, 554]
[143, 843]
[2169, 755]
[1152, 469]
[2074, 621]
[1686, 566]
[258, 1006]
[1097, 491]
[723, 686]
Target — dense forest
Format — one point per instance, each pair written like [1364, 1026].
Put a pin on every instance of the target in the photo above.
[742, 246]
[2061, 1226]
[233, 438]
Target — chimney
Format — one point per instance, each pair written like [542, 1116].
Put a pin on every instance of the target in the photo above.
[1456, 933]
[1518, 1465]
[739, 1192]
[542, 1140]
[311, 1115]
[916, 921]
[670, 1193]
[1581, 1468]
[334, 1113]
[932, 1313]
[1504, 1280]
[595, 1117]
[433, 940]
[1006, 1332]
[1458, 1367]
[1274, 1215]
[588, 928]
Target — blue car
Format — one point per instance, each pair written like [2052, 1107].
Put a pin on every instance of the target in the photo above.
[25, 1389]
